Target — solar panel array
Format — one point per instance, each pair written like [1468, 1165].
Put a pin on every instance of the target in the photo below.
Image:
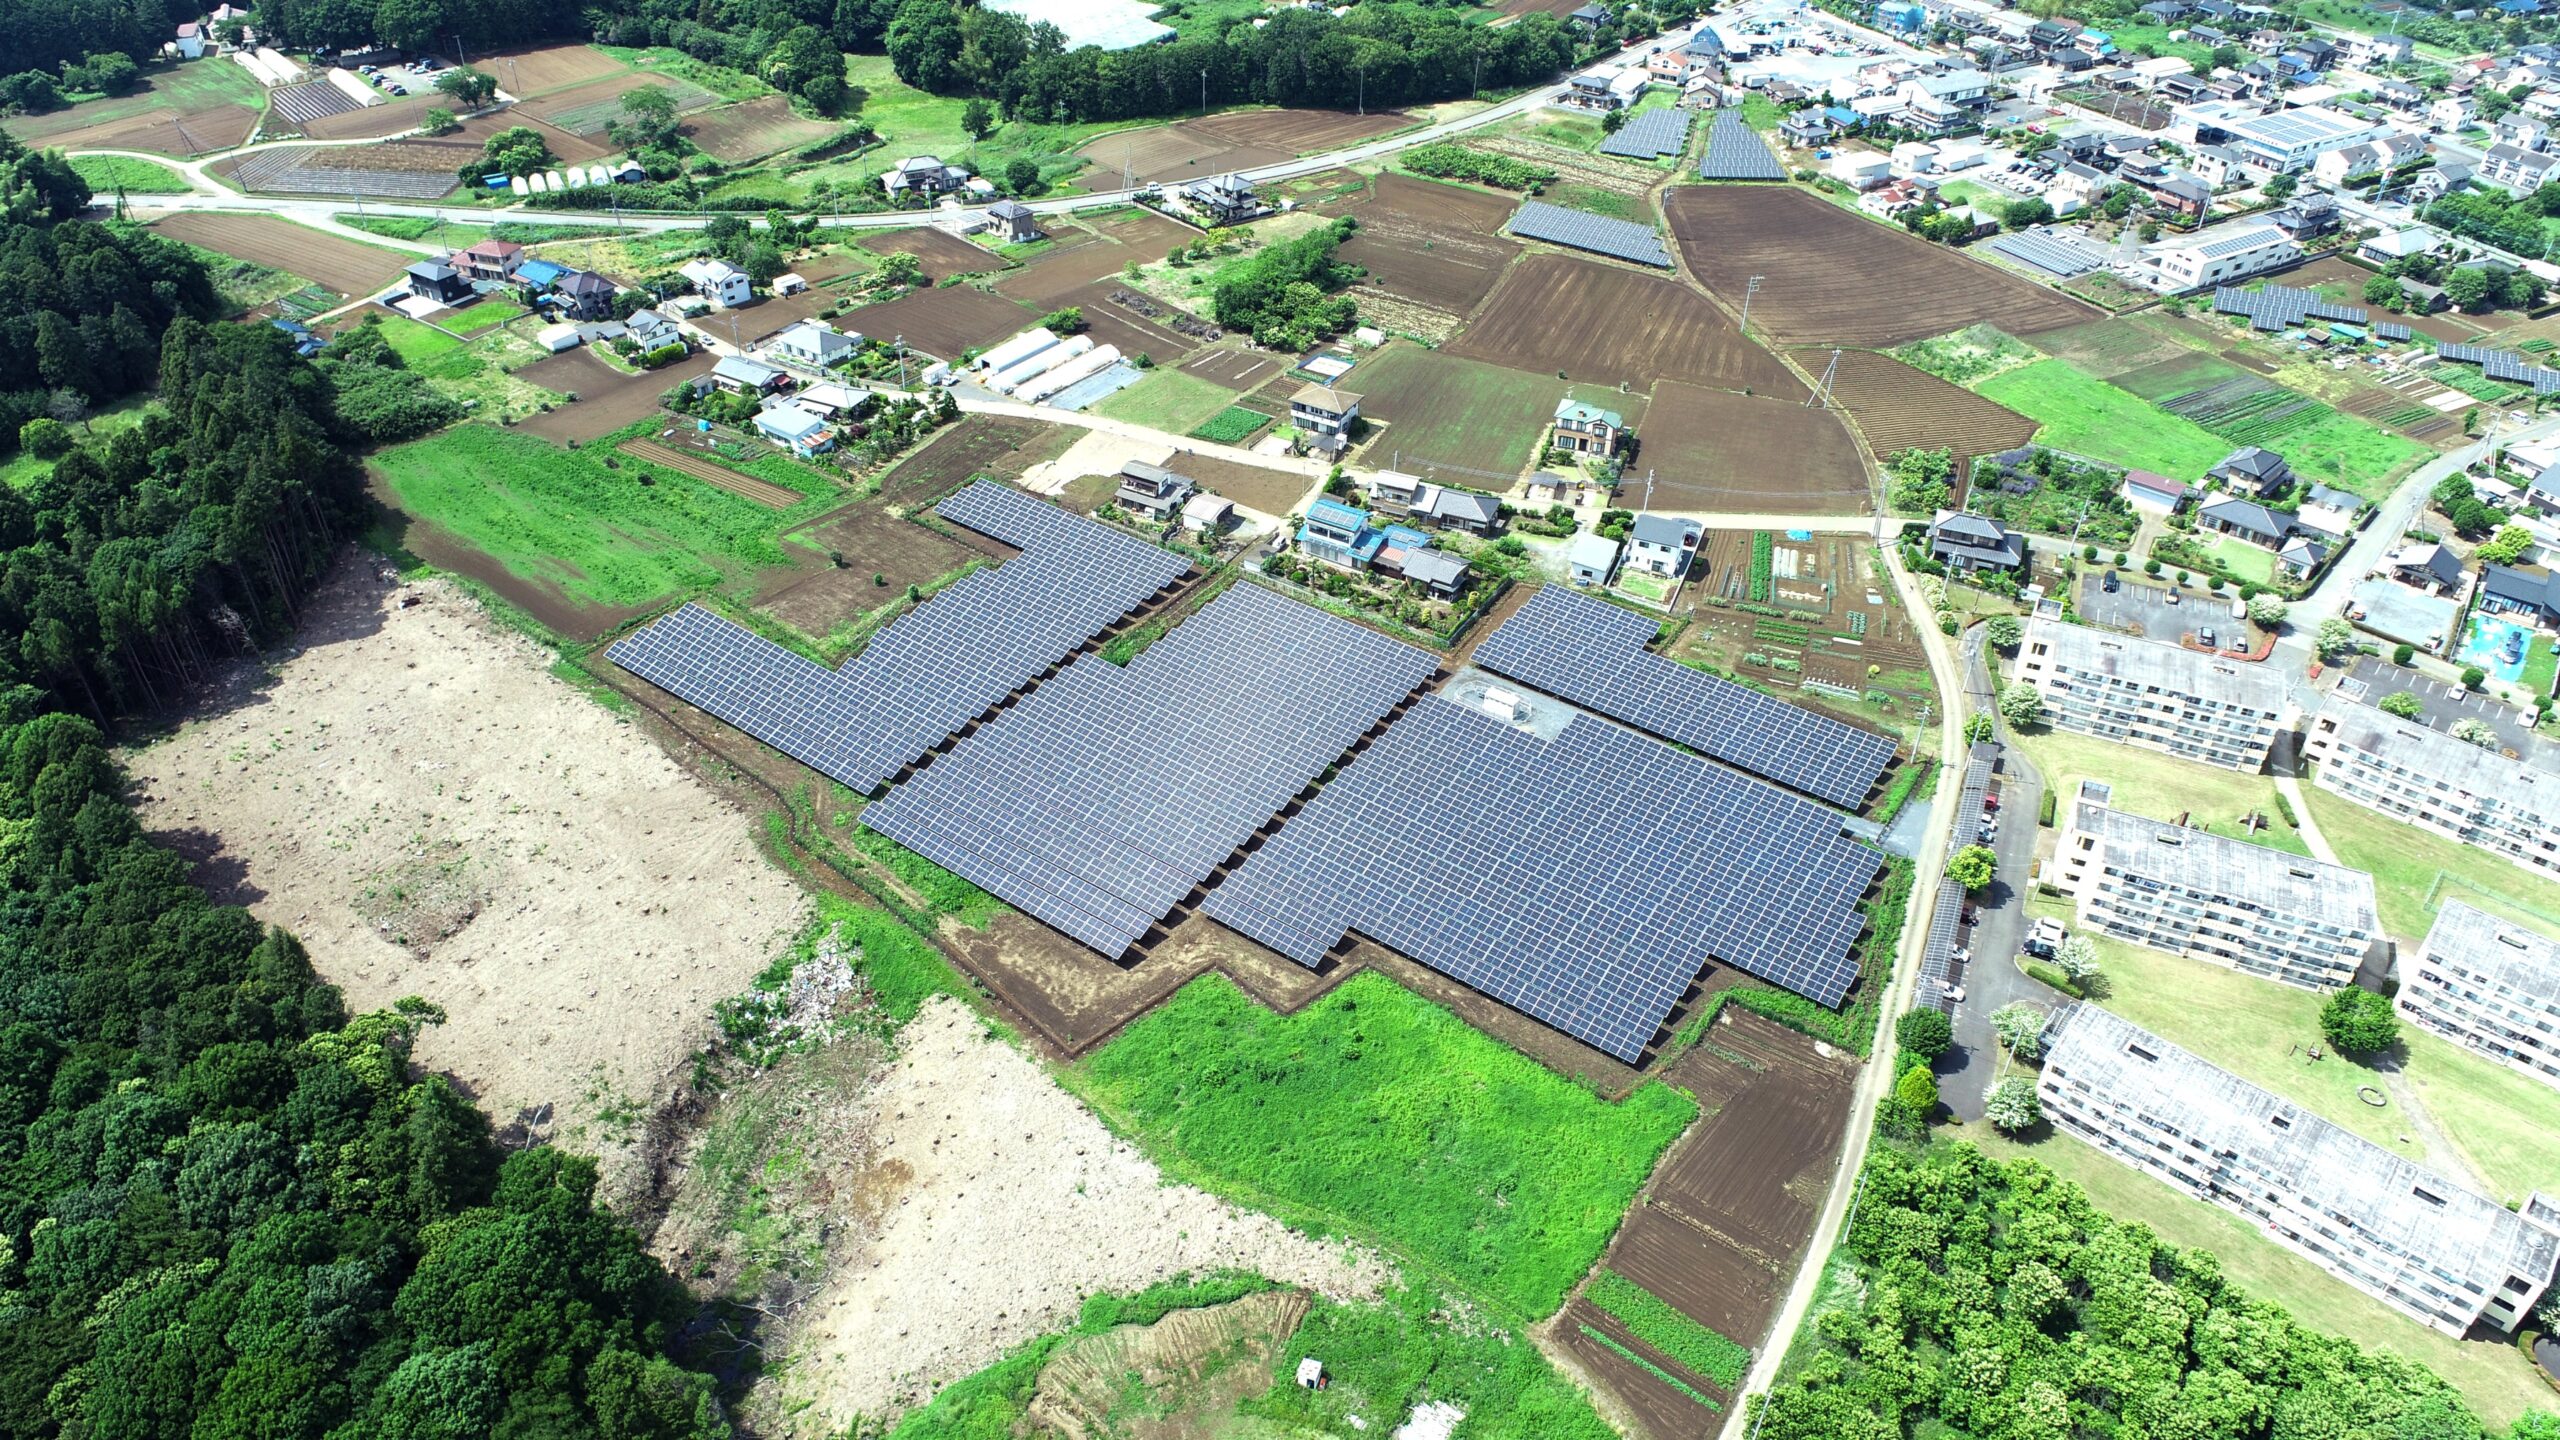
[1735, 151]
[1583, 881]
[2386, 330]
[1102, 798]
[2046, 254]
[2503, 365]
[1593, 654]
[2277, 306]
[1650, 136]
[1619, 239]
[931, 671]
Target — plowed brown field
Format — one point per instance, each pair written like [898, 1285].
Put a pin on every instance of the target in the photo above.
[1711, 450]
[1193, 149]
[1435, 245]
[943, 322]
[1603, 324]
[943, 253]
[349, 267]
[1898, 408]
[1837, 278]
[751, 131]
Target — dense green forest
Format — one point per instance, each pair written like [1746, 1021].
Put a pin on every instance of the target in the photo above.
[1997, 1302]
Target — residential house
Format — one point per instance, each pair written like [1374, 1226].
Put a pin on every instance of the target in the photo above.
[1807, 128]
[2309, 216]
[2452, 112]
[2439, 180]
[1014, 222]
[2399, 95]
[2390, 246]
[834, 400]
[1661, 545]
[1590, 19]
[1326, 414]
[796, 428]
[1408, 556]
[437, 281]
[189, 42]
[2364, 52]
[586, 295]
[2218, 165]
[1152, 490]
[924, 177]
[2531, 594]
[2543, 491]
[2182, 195]
[2147, 490]
[813, 343]
[1223, 199]
[1340, 535]
[1591, 559]
[2432, 567]
[1588, 430]
[2300, 555]
[1892, 198]
[741, 376]
[490, 261]
[650, 330]
[2154, 694]
[1547, 488]
[2520, 170]
[1969, 544]
[718, 281]
[2522, 131]
[1413, 498]
[539, 275]
[2253, 470]
[1861, 169]
[2245, 520]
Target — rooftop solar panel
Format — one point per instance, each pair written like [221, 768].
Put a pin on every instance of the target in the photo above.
[2046, 254]
[1583, 881]
[1619, 239]
[1650, 136]
[1101, 799]
[931, 671]
[1593, 654]
[1736, 152]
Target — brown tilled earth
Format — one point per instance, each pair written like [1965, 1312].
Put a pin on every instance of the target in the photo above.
[349, 267]
[1711, 450]
[1898, 408]
[1610, 325]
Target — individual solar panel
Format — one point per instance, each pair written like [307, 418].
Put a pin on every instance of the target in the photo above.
[1650, 136]
[1736, 152]
[1101, 799]
[2386, 330]
[1583, 881]
[931, 671]
[1619, 239]
[2046, 254]
[1593, 654]
[2344, 314]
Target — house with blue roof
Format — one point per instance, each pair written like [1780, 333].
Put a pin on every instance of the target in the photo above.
[540, 274]
[1340, 534]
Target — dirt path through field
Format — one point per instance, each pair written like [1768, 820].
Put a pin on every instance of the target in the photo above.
[411, 792]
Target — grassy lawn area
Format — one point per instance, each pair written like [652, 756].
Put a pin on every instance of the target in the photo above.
[23, 469]
[415, 342]
[2541, 666]
[2160, 786]
[2087, 416]
[720, 80]
[2351, 454]
[108, 174]
[1167, 400]
[2412, 868]
[560, 516]
[2490, 1374]
[487, 311]
[244, 284]
[912, 122]
[1461, 412]
[1400, 1120]
[2247, 561]
[456, 234]
[1594, 201]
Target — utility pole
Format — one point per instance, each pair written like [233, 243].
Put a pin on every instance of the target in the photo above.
[1748, 290]
[1362, 69]
[1821, 395]
[1204, 89]
[902, 362]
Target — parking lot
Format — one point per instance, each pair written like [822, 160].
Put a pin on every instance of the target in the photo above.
[2443, 702]
[2141, 607]
[418, 75]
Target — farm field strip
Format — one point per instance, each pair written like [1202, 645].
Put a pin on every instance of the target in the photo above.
[1900, 408]
[348, 267]
[710, 472]
[1613, 326]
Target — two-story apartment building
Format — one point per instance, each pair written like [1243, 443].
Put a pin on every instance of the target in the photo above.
[2245, 907]
[1151, 490]
[2463, 792]
[2444, 1256]
[2488, 985]
[2153, 694]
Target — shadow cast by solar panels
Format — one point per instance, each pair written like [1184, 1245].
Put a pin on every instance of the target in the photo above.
[1584, 881]
[933, 670]
[1593, 654]
[1104, 798]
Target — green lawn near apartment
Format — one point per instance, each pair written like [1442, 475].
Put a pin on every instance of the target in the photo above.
[481, 314]
[108, 174]
[2541, 666]
[2491, 1374]
[1965, 192]
[601, 535]
[2160, 786]
[1167, 400]
[2414, 869]
[2087, 416]
[1376, 1111]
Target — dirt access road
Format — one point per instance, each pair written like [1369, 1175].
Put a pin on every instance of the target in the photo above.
[411, 792]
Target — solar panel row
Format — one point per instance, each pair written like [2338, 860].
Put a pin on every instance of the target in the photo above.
[1736, 152]
[2386, 330]
[1593, 654]
[2283, 305]
[931, 671]
[1619, 239]
[1650, 136]
[1583, 881]
[2503, 365]
[2045, 254]
[1105, 796]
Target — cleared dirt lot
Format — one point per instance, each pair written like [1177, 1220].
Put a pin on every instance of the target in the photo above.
[1235, 368]
[599, 899]
[1191, 149]
[1602, 324]
[608, 399]
[943, 322]
[346, 266]
[1434, 245]
[1710, 450]
[1898, 408]
[1834, 277]
[754, 129]
[942, 253]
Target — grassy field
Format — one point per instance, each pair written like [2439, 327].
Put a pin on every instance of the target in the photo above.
[2351, 454]
[560, 516]
[2490, 1374]
[2160, 786]
[1376, 1111]
[1167, 400]
[2413, 867]
[2087, 416]
[483, 313]
[190, 85]
[244, 284]
[416, 343]
[720, 80]
[2541, 665]
[108, 174]
[912, 122]
[1457, 411]
[457, 234]
[23, 469]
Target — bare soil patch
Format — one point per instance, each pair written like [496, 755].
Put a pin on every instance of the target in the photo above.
[1710, 450]
[1114, 324]
[608, 399]
[973, 445]
[1191, 149]
[1438, 246]
[1835, 277]
[1602, 323]
[346, 266]
[541, 69]
[617, 898]
[1236, 369]
[942, 253]
[754, 129]
[375, 121]
[883, 554]
[1001, 1204]
[1178, 1378]
[159, 127]
[1898, 408]
[944, 322]
[1273, 492]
